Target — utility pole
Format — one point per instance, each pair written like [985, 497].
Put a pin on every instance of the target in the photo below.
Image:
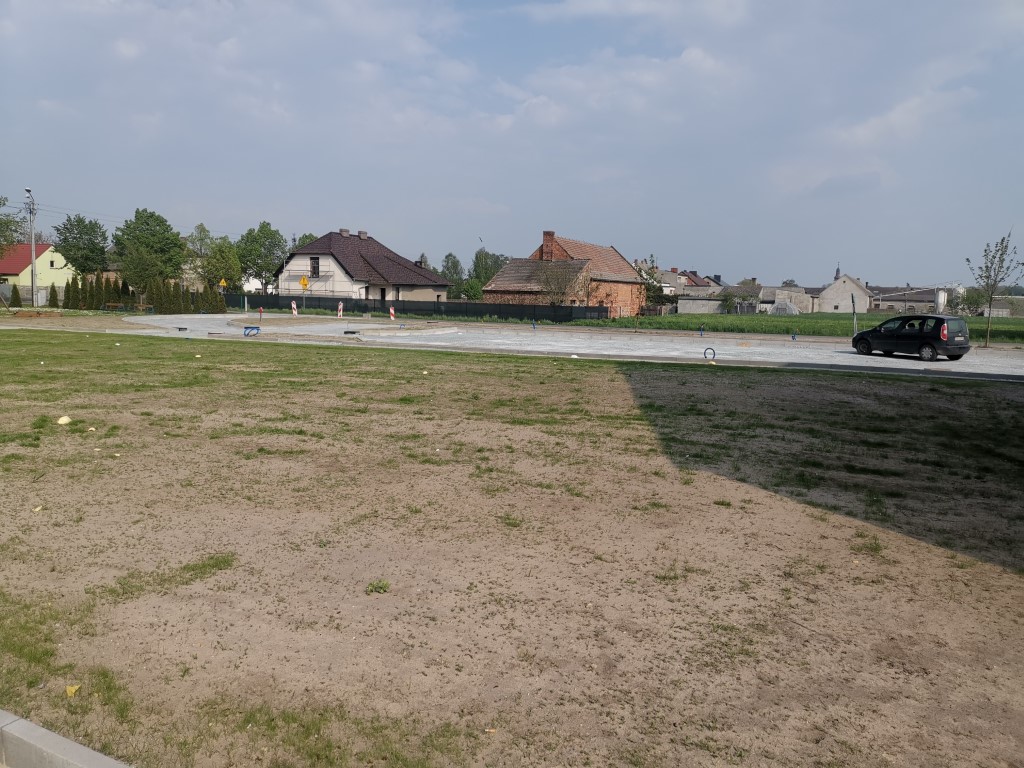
[32, 229]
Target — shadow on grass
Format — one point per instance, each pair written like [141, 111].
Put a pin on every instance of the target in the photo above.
[939, 460]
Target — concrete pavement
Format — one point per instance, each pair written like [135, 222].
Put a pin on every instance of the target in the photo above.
[1003, 362]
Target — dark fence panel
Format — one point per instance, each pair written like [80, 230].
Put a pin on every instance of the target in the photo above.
[439, 309]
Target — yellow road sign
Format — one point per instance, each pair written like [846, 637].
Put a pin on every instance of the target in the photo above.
[223, 283]
[304, 282]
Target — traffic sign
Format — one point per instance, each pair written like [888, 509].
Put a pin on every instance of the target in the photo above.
[223, 283]
[304, 282]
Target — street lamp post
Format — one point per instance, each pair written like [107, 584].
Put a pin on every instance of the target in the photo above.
[32, 235]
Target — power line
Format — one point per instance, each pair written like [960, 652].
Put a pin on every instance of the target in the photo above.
[57, 210]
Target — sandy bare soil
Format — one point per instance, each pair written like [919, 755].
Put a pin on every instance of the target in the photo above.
[561, 591]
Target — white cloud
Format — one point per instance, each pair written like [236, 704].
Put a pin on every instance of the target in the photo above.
[128, 49]
[613, 84]
[905, 120]
[726, 12]
[825, 177]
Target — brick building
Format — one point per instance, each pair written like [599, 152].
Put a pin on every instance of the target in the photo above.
[563, 271]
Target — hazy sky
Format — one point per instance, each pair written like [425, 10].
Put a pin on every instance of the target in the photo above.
[767, 138]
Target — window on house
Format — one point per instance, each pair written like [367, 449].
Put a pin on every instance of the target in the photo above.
[53, 264]
[835, 306]
[314, 266]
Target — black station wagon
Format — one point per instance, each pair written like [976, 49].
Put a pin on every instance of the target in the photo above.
[926, 336]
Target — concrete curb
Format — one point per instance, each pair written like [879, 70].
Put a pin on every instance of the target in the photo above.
[24, 744]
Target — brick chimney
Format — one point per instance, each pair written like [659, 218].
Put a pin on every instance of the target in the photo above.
[547, 249]
[675, 270]
[344, 232]
[362, 234]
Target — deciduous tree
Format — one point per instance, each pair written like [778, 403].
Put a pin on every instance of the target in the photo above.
[149, 234]
[486, 265]
[83, 244]
[11, 225]
[140, 268]
[473, 289]
[260, 252]
[999, 266]
[452, 271]
[212, 259]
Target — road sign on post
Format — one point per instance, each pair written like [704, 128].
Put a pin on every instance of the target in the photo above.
[304, 282]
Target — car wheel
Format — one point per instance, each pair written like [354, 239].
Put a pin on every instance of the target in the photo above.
[954, 357]
[888, 353]
[927, 353]
[864, 347]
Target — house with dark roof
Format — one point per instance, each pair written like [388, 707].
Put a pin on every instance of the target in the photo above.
[570, 272]
[357, 267]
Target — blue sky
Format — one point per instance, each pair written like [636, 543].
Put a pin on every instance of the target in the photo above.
[742, 137]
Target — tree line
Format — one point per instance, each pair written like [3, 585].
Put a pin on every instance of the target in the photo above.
[147, 248]
[468, 285]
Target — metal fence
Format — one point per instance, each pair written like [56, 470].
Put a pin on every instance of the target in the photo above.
[437, 309]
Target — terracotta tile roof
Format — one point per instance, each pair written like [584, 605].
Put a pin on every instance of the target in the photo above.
[606, 263]
[17, 258]
[367, 260]
[532, 276]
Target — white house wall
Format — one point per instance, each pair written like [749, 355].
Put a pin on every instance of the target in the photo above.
[333, 280]
[838, 295]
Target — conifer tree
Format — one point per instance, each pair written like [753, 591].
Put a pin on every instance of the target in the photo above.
[53, 301]
[67, 295]
[75, 302]
[15, 296]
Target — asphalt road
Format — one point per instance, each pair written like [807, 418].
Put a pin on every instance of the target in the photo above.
[1002, 362]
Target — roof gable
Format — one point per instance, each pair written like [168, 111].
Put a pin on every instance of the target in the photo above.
[18, 257]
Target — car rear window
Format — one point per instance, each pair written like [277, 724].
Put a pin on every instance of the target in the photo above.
[957, 326]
